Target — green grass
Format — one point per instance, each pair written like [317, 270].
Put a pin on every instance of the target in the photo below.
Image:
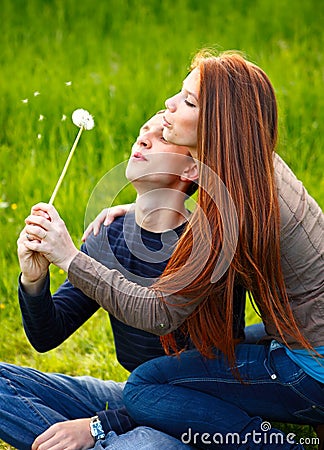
[124, 58]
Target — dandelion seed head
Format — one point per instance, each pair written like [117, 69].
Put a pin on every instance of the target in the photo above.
[25, 100]
[39, 136]
[68, 83]
[82, 118]
[41, 117]
[36, 93]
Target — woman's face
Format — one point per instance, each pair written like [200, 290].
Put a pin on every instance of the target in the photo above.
[180, 119]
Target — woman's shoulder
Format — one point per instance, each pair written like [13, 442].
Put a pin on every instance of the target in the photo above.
[294, 201]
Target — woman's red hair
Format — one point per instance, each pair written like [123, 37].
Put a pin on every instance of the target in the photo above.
[237, 134]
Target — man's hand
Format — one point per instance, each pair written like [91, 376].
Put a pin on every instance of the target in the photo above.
[106, 217]
[50, 236]
[69, 435]
[34, 266]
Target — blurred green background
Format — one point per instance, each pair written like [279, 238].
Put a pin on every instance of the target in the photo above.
[120, 59]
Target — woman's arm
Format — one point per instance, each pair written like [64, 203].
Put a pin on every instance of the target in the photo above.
[135, 305]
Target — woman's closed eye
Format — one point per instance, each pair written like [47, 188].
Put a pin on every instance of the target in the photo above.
[187, 102]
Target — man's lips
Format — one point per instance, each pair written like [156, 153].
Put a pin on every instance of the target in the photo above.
[139, 156]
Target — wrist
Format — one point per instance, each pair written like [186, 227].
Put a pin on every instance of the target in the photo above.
[32, 286]
[96, 429]
[65, 264]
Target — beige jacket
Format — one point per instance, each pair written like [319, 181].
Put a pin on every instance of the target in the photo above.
[302, 250]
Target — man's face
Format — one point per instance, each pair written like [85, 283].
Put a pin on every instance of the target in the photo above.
[153, 159]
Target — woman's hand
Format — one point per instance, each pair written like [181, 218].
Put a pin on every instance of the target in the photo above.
[106, 217]
[50, 236]
[69, 435]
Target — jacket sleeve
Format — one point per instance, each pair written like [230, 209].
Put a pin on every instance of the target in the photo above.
[135, 305]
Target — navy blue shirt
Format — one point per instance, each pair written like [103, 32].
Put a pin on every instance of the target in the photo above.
[139, 255]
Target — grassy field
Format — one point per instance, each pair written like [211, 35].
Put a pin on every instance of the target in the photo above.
[120, 59]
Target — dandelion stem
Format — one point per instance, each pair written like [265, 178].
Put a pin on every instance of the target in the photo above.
[66, 165]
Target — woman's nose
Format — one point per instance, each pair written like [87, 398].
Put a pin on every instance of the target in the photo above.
[170, 104]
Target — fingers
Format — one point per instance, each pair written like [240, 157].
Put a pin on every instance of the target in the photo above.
[94, 227]
[106, 217]
[35, 245]
[46, 210]
[33, 232]
[87, 232]
[44, 438]
[24, 236]
[40, 212]
[69, 435]
[36, 227]
[39, 222]
[110, 215]
[115, 211]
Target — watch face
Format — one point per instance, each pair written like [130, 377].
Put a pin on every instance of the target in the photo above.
[96, 429]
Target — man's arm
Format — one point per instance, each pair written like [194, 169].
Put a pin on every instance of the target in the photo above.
[49, 320]
[130, 303]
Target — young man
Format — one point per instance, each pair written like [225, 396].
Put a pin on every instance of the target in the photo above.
[53, 409]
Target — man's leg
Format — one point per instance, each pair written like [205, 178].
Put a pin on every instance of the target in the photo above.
[32, 401]
[141, 438]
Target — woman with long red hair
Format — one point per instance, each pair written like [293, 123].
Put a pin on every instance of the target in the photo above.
[256, 226]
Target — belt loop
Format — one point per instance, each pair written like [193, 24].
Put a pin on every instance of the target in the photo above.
[274, 345]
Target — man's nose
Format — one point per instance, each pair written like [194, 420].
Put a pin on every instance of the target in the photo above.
[144, 142]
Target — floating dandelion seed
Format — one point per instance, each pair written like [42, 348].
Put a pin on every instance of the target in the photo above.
[36, 93]
[25, 100]
[84, 120]
[68, 83]
[39, 136]
[63, 118]
[41, 117]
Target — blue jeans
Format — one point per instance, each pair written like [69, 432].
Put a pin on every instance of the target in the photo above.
[201, 402]
[32, 401]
